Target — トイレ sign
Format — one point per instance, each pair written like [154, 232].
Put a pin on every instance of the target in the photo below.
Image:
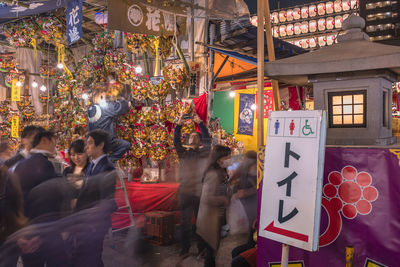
[292, 184]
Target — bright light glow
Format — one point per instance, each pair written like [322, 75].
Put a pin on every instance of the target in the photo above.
[34, 84]
[232, 94]
[253, 107]
[43, 88]
[85, 96]
[102, 103]
[60, 65]
[18, 83]
[138, 69]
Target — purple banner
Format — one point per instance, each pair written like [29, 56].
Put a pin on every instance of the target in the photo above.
[360, 209]
[246, 114]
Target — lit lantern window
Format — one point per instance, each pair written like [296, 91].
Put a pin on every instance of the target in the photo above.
[312, 10]
[313, 25]
[338, 6]
[329, 7]
[289, 15]
[296, 13]
[321, 25]
[275, 16]
[290, 29]
[282, 16]
[347, 109]
[304, 12]
[297, 28]
[346, 5]
[282, 30]
[330, 23]
[322, 40]
[338, 22]
[321, 9]
[304, 27]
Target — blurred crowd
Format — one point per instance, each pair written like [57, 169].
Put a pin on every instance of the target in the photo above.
[55, 210]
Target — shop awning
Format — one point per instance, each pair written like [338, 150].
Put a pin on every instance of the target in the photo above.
[237, 55]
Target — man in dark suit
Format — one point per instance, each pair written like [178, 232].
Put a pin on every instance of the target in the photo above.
[98, 188]
[37, 168]
[27, 136]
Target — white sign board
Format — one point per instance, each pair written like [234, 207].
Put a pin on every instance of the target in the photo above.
[292, 184]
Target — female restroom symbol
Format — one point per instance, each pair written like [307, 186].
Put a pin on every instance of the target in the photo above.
[291, 127]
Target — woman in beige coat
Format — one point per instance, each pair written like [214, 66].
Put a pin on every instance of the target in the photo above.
[213, 202]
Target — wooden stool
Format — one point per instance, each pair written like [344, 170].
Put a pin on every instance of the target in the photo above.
[160, 227]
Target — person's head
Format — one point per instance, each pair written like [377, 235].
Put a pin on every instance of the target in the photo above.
[193, 140]
[219, 157]
[77, 154]
[28, 134]
[5, 151]
[97, 143]
[45, 141]
[99, 95]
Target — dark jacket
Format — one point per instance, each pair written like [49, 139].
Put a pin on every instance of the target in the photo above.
[192, 161]
[97, 186]
[32, 172]
[14, 160]
[103, 117]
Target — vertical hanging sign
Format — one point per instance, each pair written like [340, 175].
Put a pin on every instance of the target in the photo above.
[15, 91]
[246, 114]
[74, 21]
[15, 126]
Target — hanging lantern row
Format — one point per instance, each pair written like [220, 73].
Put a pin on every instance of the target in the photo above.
[314, 10]
[311, 26]
[313, 42]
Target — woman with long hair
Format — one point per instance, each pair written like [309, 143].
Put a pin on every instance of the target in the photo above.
[79, 161]
[213, 202]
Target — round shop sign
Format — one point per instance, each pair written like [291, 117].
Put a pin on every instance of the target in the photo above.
[135, 15]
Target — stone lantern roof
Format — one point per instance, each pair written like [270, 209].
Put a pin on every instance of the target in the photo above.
[353, 53]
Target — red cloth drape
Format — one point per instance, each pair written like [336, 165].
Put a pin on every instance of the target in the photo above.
[294, 103]
[201, 107]
[144, 198]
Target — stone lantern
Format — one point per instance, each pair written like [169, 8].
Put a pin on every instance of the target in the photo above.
[352, 81]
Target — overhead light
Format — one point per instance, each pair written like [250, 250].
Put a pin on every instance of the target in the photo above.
[85, 96]
[60, 66]
[34, 84]
[253, 107]
[138, 69]
[232, 94]
[43, 88]
[18, 83]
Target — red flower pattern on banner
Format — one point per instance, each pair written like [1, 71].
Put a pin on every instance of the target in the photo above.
[349, 192]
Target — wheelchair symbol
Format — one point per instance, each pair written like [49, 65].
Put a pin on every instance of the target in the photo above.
[307, 129]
